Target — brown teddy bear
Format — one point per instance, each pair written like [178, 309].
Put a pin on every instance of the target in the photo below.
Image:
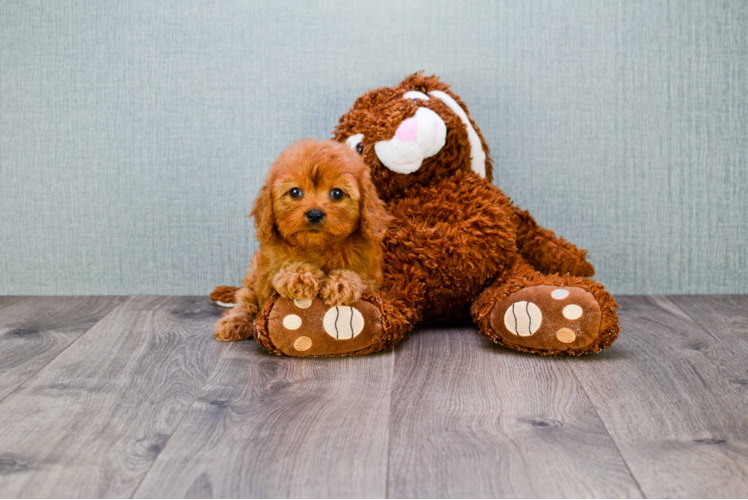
[456, 247]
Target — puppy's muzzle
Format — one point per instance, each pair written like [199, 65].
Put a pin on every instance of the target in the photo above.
[315, 216]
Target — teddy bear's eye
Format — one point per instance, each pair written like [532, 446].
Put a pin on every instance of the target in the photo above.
[295, 193]
[355, 142]
[416, 96]
[336, 194]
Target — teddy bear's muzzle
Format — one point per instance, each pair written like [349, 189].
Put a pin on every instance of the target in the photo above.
[416, 138]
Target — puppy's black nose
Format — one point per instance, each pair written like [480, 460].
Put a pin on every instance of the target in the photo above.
[314, 216]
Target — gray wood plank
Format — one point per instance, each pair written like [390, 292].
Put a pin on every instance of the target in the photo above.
[723, 317]
[673, 398]
[92, 421]
[6, 300]
[471, 419]
[34, 330]
[281, 427]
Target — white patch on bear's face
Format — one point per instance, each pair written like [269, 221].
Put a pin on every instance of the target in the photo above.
[415, 95]
[477, 155]
[354, 140]
[417, 138]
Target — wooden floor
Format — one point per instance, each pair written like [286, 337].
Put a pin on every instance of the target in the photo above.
[132, 397]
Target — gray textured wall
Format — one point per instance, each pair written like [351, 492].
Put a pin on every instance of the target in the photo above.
[134, 135]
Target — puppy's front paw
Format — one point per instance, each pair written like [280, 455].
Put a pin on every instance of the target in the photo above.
[298, 281]
[234, 326]
[342, 287]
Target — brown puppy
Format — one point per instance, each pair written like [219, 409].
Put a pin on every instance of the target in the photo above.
[320, 225]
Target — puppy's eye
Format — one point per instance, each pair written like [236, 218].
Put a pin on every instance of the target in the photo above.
[295, 193]
[360, 148]
[336, 194]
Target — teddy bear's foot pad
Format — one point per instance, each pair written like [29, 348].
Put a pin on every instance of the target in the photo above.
[308, 327]
[547, 319]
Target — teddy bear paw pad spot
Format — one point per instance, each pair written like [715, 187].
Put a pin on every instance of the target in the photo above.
[343, 322]
[572, 311]
[559, 294]
[292, 322]
[302, 303]
[566, 335]
[523, 318]
[302, 344]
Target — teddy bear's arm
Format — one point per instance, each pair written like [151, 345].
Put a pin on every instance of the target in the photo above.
[546, 252]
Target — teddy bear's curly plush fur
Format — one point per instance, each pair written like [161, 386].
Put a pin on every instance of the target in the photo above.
[457, 247]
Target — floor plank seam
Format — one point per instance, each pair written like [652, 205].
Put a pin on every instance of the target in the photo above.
[612, 439]
[187, 411]
[65, 349]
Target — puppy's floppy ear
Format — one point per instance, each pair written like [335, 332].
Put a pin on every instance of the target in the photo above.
[262, 211]
[374, 216]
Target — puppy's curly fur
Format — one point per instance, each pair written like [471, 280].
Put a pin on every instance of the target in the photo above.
[337, 258]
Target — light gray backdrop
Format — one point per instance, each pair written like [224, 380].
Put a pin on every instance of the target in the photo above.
[134, 135]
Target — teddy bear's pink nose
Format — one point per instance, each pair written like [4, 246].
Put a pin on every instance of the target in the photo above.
[407, 131]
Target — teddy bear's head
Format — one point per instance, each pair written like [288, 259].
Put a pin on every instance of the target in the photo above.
[412, 134]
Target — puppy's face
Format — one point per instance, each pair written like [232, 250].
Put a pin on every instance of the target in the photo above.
[318, 193]
[316, 204]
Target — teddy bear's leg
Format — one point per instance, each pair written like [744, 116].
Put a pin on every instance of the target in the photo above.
[546, 314]
[546, 252]
[376, 321]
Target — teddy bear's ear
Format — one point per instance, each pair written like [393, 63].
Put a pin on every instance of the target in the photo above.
[374, 216]
[262, 211]
[479, 161]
